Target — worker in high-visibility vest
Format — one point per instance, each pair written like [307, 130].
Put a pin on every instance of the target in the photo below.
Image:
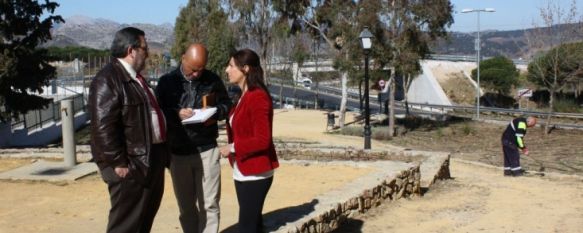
[512, 141]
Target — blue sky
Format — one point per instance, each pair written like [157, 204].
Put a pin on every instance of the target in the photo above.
[509, 15]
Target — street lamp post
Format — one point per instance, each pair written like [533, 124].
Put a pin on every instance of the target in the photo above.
[366, 39]
[478, 46]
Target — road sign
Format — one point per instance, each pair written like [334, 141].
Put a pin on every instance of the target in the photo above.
[524, 92]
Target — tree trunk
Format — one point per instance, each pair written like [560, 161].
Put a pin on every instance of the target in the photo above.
[551, 106]
[577, 90]
[264, 39]
[406, 86]
[295, 82]
[281, 93]
[343, 101]
[263, 60]
[392, 105]
[317, 95]
[316, 80]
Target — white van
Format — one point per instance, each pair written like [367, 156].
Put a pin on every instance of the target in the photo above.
[305, 82]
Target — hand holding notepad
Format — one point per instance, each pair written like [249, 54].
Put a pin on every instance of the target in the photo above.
[200, 115]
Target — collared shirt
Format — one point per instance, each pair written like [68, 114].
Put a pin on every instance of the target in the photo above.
[156, 131]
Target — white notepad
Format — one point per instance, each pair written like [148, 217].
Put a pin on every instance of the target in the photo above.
[200, 115]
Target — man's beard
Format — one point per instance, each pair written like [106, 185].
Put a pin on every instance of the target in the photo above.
[139, 66]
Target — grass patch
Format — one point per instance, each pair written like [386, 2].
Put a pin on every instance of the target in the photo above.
[566, 105]
[409, 124]
[467, 129]
[377, 133]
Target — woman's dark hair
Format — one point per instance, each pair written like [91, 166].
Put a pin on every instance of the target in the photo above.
[247, 57]
[124, 38]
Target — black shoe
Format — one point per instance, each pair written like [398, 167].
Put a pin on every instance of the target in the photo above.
[522, 170]
[517, 173]
[507, 173]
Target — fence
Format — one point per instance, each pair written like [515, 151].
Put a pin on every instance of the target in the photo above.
[445, 108]
[570, 120]
[36, 119]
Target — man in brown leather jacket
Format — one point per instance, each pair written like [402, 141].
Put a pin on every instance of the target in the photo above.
[128, 135]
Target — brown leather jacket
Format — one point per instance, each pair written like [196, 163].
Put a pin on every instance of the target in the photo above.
[120, 120]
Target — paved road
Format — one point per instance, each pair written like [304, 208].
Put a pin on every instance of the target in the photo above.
[330, 101]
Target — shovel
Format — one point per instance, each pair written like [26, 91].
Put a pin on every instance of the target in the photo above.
[541, 167]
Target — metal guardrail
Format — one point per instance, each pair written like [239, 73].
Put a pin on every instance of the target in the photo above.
[446, 108]
[306, 104]
[470, 58]
[322, 89]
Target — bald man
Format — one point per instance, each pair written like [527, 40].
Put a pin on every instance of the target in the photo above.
[512, 141]
[195, 168]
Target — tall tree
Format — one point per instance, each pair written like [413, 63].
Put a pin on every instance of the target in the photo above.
[402, 29]
[411, 26]
[282, 45]
[300, 54]
[338, 23]
[551, 36]
[559, 73]
[498, 74]
[220, 42]
[24, 67]
[206, 22]
[256, 19]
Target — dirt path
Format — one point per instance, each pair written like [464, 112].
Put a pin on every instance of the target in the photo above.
[480, 199]
[82, 206]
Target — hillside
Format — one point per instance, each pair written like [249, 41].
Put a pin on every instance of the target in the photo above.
[512, 44]
[98, 33]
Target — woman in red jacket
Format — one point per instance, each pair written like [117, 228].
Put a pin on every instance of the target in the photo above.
[249, 128]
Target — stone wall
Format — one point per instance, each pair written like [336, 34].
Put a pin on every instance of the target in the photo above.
[435, 167]
[404, 184]
[443, 172]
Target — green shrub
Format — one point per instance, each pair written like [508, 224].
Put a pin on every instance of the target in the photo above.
[381, 133]
[377, 133]
[352, 131]
[566, 105]
[467, 129]
[439, 132]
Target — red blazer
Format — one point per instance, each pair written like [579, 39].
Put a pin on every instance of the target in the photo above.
[252, 133]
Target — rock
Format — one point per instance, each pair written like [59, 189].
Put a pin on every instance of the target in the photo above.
[398, 182]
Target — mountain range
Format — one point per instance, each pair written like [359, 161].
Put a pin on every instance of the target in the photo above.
[98, 33]
[512, 43]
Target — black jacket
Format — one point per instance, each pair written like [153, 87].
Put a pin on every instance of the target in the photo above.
[515, 132]
[175, 92]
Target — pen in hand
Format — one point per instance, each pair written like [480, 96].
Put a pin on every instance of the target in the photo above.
[185, 113]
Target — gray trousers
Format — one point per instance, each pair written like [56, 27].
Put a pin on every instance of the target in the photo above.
[197, 185]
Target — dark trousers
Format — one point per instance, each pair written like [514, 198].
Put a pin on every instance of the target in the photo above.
[251, 196]
[511, 156]
[134, 203]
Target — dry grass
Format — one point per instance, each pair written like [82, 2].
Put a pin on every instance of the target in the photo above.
[561, 151]
[459, 89]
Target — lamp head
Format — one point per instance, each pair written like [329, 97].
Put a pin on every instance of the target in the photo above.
[467, 10]
[366, 38]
